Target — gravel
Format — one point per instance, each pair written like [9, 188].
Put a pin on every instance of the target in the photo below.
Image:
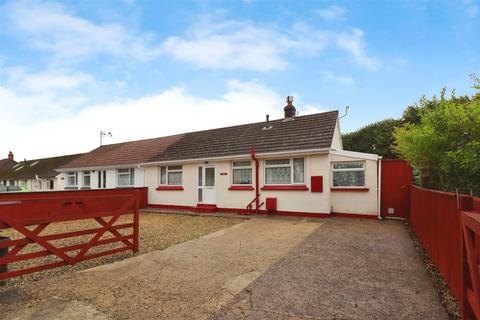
[157, 232]
[446, 296]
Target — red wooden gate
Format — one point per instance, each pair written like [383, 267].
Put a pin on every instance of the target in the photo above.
[32, 215]
[395, 191]
[470, 259]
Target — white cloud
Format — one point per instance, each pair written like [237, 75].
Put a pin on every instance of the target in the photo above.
[332, 78]
[63, 131]
[241, 45]
[51, 28]
[50, 81]
[332, 12]
[244, 45]
[353, 43]
[208, 43]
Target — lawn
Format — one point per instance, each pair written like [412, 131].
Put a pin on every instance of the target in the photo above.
[157, 232]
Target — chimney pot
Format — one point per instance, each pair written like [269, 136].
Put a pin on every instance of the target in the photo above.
[267, 124]
[10, 155]
[289, 110]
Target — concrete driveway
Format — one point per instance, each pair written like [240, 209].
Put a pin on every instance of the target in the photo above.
[259, 269]
[346, 269]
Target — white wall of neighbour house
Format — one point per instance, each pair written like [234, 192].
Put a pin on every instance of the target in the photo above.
[292, 201]
[362, 202]
[111, 175]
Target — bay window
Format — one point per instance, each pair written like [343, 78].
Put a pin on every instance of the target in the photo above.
[241, 172]
[171, 175]
[126, 177]
[348, 174]
[285, 171]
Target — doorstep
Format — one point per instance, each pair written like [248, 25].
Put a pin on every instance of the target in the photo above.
[205, 208]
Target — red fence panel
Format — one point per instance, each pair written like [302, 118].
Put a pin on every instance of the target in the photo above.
[31, 213]
[435, 218]
[66, 193]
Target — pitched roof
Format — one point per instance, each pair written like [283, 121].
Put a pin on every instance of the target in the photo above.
[303, 133]
[122, 154]
[43, 168]
[6, 164]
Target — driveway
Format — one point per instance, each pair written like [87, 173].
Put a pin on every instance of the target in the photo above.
[258, 269]
[346, 269]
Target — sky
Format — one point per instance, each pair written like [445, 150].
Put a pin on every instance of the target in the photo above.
[143, 69]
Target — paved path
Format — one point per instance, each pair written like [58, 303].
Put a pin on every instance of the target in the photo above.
[346, 269]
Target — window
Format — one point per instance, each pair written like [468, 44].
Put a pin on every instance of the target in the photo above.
[126, 177]
[39, 185]
[348, 174]
[102, 179]
[72, 179]
[50, 185]
[86, 179]
[285, 171]
[241, 172]
[171, 175]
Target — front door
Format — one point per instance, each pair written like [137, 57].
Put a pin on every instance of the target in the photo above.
[206, 184]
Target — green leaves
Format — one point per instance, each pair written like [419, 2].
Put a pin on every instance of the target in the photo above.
[375, 138]
[444, 146]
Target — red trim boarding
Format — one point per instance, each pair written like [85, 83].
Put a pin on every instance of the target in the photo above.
[372, 216]
[169, 188]
[350, 189]
[237, 188]
[286, 188]
[245, 211]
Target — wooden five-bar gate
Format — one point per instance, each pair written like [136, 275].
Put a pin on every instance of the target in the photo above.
[471, 259]
[30, 214]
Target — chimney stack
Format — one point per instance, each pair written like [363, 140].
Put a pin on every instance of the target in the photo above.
[289, 110]
[10, 155]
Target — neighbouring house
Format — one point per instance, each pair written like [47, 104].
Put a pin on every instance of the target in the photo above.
[294, 165]
[6, 164]
[34, 175]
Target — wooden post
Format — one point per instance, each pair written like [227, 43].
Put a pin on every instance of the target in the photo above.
[136, 220]
[466, 204]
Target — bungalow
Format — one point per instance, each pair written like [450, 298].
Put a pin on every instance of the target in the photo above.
[33, 175]
[295, 165]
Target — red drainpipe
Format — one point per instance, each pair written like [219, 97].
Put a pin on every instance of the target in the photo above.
[257, 189]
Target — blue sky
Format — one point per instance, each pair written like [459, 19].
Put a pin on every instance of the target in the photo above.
[146, 69]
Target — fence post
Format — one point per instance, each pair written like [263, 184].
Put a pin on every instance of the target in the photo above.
[466, 204]
[136, 220]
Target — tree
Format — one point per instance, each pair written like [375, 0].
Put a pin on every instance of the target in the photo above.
[375, 138]
[444, 146]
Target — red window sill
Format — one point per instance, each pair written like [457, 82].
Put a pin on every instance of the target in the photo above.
[169, 188]
[350, 189]
[238, 188]
[286, 188]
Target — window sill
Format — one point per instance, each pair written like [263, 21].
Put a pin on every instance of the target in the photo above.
[238, 188]
[285, 188]
[350, 189]
[169, 188]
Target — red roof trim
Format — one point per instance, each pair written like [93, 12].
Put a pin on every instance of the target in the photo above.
[350, 189]
[169, 188]
[238, 188]
[292, 187]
